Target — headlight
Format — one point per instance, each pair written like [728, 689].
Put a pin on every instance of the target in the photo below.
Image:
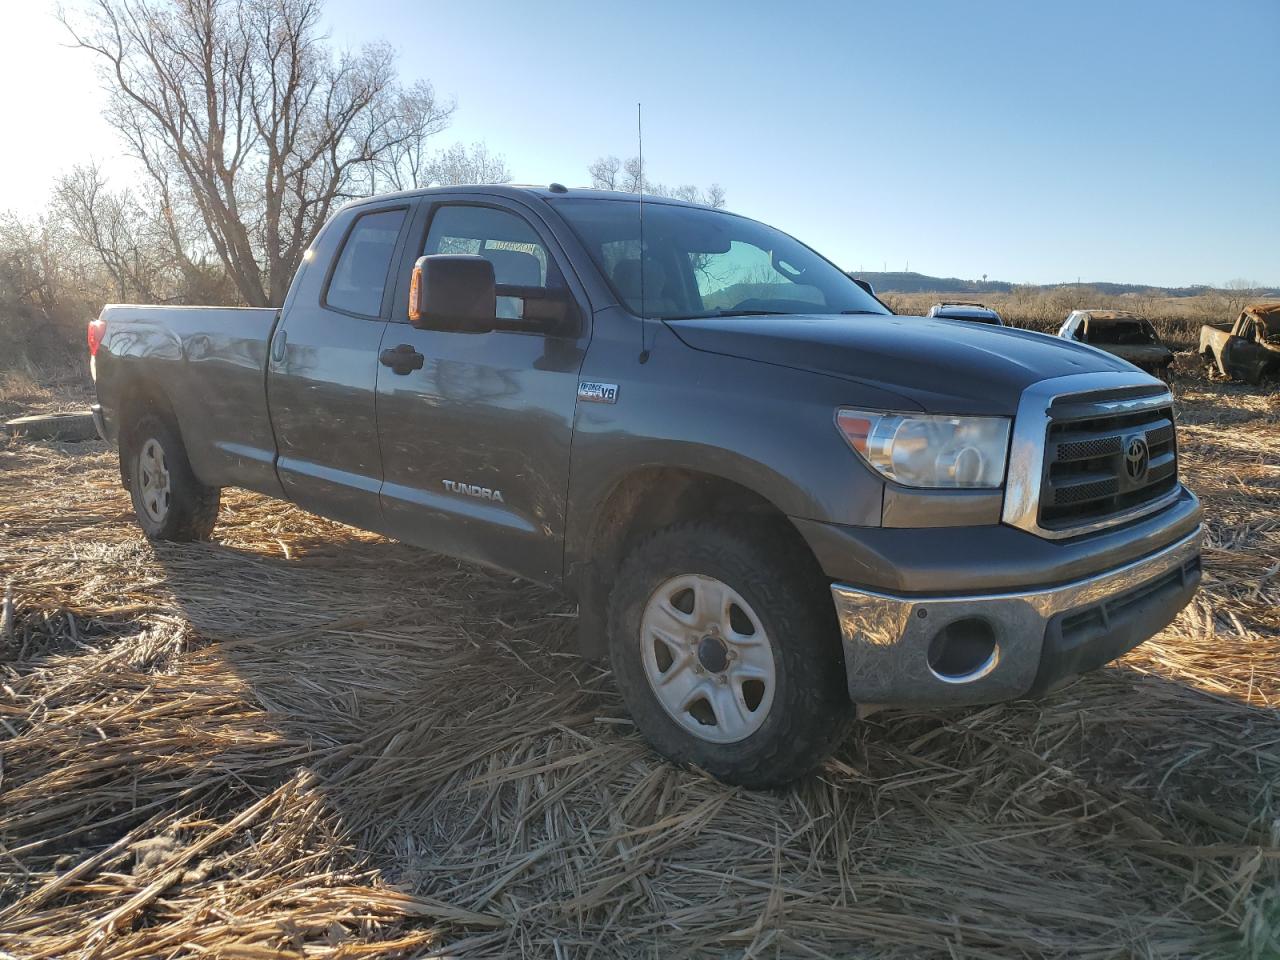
[928, 451]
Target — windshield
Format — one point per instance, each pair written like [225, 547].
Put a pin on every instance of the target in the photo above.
[1120, 333]
[705, 263]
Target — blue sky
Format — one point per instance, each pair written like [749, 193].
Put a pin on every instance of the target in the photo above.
[1028, 141]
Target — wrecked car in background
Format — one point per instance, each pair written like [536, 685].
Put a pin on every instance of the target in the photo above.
[1121, 334]
[965, 310]
[1248, 349]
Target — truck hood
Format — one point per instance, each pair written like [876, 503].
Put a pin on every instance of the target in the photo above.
[940, 365]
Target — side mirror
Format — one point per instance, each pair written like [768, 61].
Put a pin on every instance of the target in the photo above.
[866, 285]
[453, 292]
[551, 312]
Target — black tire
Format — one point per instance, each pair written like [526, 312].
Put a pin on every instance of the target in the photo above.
[810, 711]
[190, 508]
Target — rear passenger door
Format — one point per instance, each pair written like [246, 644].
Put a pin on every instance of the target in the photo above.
[323, 367]
[475, 443]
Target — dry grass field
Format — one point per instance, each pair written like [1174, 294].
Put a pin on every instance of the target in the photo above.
[1177, 319]
[300, 740]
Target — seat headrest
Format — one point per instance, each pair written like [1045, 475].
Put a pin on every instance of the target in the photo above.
[514, 267]
[627, 278]
[369, 259]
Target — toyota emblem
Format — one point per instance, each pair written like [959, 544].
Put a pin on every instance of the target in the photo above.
[1137, 458]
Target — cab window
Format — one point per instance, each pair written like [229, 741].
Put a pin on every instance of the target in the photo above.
[360, 273]
[517, 253]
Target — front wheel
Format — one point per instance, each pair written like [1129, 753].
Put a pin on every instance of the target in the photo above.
[725, 647]
[170, 503]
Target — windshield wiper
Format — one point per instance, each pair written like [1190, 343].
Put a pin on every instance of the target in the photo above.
[869, 313]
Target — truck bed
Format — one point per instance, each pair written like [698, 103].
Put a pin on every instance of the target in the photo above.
[1213, 336]
[210, 364]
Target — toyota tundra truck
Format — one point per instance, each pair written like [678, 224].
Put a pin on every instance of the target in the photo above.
[774, 503]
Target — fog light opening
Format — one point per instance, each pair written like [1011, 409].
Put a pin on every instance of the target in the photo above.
[963, 651]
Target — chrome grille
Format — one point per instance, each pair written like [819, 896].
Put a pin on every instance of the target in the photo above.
[1103, 461]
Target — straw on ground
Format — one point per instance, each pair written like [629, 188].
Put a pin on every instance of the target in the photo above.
[302, 740]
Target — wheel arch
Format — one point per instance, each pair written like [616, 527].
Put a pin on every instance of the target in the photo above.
[641, 502]
[139, 397]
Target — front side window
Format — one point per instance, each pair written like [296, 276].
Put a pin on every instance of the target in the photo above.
[360, 273]
[517, 253]
[698, 262]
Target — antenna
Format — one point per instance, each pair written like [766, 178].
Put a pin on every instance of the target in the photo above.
[644, 320]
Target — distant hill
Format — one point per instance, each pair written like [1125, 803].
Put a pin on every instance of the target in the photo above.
[900, 282]
[903, 282]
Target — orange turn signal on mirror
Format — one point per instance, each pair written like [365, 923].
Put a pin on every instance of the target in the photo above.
[415, 285]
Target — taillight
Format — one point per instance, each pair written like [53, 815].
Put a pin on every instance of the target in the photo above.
[97, 329]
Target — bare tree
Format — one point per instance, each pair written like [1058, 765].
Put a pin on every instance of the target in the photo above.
[149, 249]
[458, 165]
[604, 173]
[241, 112]
[1238, 292]
[115, 227]
[610, 173]
[30, 267]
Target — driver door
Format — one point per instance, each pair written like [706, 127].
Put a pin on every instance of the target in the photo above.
[475, 443]
[1242, 354]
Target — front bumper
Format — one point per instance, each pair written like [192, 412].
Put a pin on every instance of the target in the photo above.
[988, 647]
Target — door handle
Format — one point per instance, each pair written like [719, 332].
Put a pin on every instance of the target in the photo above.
[277, 347]
[402, 359]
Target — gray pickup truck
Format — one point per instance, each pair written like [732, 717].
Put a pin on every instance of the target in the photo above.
[770, 498]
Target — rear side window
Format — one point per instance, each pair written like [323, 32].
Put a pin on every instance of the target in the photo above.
[360, 273]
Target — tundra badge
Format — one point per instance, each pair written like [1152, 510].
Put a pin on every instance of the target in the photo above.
[593, 392]
[471, 490]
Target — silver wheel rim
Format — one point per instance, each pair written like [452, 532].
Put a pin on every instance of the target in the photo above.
[707, 658]
[153, 481]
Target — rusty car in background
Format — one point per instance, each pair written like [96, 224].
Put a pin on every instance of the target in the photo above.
[1121, 334]
[969, 310]
[1248, 349]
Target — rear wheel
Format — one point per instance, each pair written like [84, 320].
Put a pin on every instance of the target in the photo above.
[170, 503]
[725, 647]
